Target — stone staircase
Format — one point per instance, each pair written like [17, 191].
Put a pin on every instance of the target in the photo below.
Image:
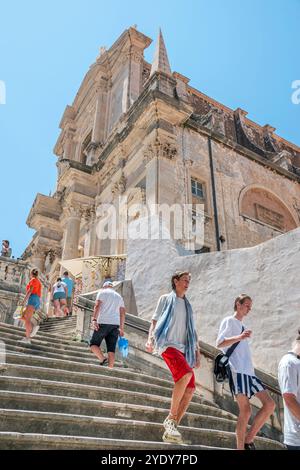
[55, 395]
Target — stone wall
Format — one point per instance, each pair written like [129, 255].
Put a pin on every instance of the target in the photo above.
[236, 177]
[14, 276]
[266, 272]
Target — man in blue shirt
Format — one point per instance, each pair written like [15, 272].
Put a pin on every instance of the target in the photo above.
[70, 287]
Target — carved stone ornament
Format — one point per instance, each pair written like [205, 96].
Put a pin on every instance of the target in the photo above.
[283, 159]
[73, 211]
[120, 186]
[62, 166]
[50, 257]
[149, 154]
[135, 54]
[89, 214]
[40, 251]
[167, 150]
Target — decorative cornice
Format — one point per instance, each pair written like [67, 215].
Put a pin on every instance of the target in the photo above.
[120, 186]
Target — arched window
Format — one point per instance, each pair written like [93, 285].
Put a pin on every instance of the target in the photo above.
[263, 206]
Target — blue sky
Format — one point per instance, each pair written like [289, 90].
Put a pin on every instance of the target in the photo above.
[242, 53]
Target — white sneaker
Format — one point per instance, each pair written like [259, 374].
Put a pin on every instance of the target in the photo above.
[25, 341]
[35, 329]
[171, 433]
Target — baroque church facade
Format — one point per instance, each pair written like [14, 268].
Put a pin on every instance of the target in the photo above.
[140, 130]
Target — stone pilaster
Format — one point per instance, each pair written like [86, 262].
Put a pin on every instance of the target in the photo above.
[72, 217]
[68, 144]
[90, 239]
[38, 258]
[98, 133]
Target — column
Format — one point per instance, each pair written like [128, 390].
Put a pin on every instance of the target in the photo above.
[99, 122]
[72, 231]
[38, 259]
[68, 145]
[90, 242]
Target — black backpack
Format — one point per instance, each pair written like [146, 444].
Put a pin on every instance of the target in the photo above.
[221, 366]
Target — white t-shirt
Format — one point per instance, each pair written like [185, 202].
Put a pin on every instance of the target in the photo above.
[110, 305]
[176, 337]
[240, 360]
[59, 287]
[289, 382]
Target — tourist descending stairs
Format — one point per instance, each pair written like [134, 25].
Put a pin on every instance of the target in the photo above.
[55, 395]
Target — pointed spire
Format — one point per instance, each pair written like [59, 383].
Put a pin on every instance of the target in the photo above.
[160, 61]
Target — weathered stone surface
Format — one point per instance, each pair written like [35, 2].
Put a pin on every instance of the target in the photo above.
[63, 404]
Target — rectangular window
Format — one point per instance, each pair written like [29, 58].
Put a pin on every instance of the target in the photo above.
[197, 189]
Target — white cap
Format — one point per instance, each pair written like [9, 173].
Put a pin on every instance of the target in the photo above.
[108, 284]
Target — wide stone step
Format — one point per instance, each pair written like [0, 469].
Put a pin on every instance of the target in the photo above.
[85, 377]
[210, 417]
[37, 351]
[63, 365]
[47, 345]
[31, 441]
[59, 328]
[21, 360]
[113, 428]
[5, 328]
[97, 380]
[19, 384]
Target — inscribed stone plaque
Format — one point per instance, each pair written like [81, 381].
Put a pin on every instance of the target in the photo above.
[269, 216]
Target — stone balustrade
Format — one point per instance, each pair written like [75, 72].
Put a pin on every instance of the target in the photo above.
[14, 276]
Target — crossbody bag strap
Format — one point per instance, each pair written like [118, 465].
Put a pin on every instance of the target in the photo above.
[232, 348]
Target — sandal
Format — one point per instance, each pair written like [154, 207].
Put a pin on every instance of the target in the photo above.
[104, 362]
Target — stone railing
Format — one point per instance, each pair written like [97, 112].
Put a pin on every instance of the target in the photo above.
[85, 303]
[14, 276]
[94, 271]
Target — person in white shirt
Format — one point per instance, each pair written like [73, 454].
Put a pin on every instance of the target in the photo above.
[59, 298]
[108, 322]
[243, 382]
[289, 383]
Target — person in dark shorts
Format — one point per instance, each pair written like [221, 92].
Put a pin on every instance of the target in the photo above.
[108, 322]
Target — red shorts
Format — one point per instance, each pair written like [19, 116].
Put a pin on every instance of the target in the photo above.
[178, 366]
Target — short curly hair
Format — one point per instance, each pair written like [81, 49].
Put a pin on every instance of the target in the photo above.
[177, 275]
